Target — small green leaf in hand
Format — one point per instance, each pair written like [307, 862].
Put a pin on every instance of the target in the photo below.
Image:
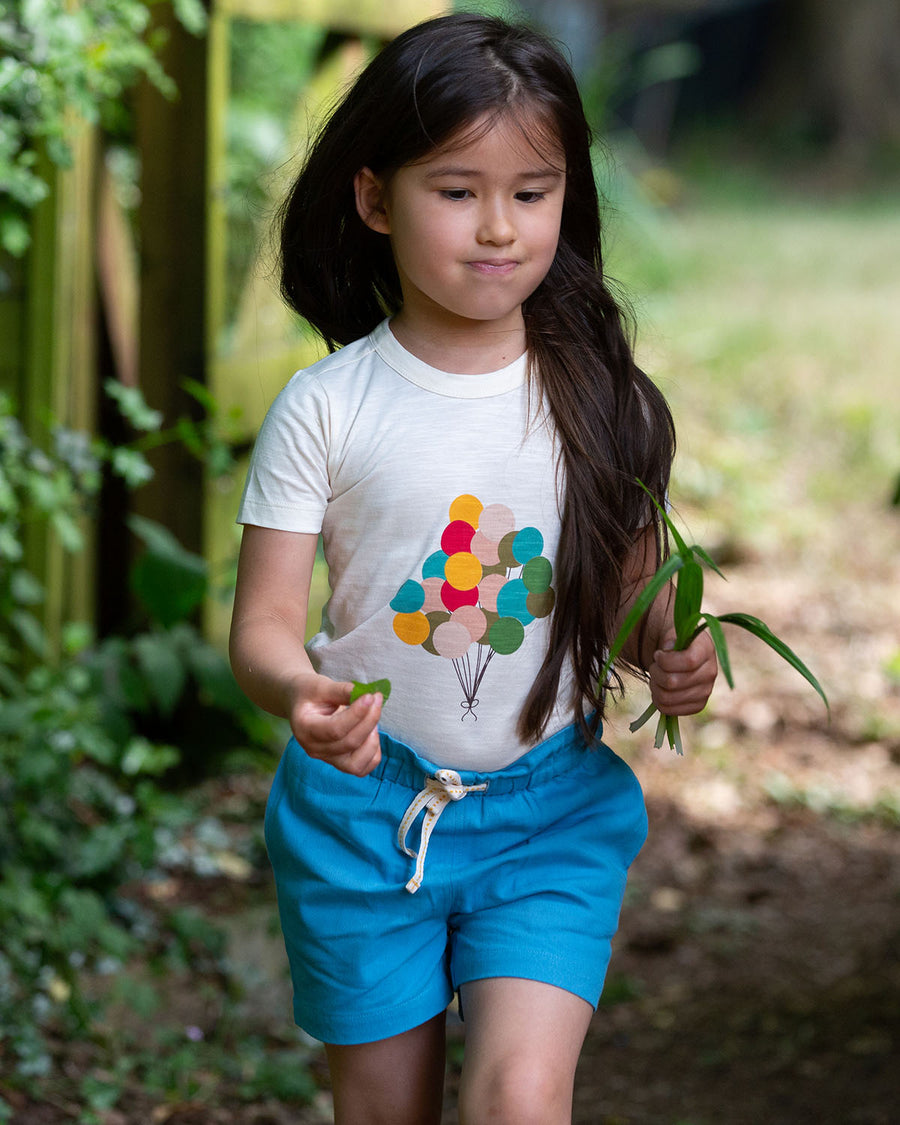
[359, 689]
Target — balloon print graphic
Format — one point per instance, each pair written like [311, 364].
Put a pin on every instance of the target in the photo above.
[478, 593]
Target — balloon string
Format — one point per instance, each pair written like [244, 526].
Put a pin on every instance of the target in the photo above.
[480, 675]
[469, 706]
[462, 683]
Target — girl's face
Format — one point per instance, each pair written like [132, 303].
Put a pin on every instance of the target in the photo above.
[474, 226]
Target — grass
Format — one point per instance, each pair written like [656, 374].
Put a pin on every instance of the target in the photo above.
[769, 320]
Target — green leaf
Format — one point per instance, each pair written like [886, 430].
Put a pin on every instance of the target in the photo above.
[170, 581]
[132, 466]
[133, 406]
[143, 757]
[642, 603]
[673, 730]
[688, 598]
[760, 629]
[25, 588]
[717, 633]
[359, 689]
[707, 558]
[30, 630]
[68, 531]
[683, 548]
[643, 718]
[163, 669]
[191, 14]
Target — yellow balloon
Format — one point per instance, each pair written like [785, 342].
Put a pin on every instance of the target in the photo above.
[463, 571]
[412, 628]
[466, 508]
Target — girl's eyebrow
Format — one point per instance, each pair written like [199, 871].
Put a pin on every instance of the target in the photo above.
[546, 173]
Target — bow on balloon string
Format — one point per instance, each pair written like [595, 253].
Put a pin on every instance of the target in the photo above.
[478, 593]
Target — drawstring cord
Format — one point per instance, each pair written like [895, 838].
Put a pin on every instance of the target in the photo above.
[439, 791]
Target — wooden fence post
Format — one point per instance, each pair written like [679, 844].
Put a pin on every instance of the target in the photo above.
[171, 137]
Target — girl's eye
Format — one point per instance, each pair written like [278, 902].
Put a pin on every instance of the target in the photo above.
[529, 196]
[456, 194]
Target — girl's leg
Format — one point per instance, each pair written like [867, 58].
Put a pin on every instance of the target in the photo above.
[396, 1081]
[523, 1039]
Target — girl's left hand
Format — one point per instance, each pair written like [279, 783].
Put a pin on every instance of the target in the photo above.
[681, 682]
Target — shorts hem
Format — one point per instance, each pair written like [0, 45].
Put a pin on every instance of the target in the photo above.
[361, 1027]
[559, 976]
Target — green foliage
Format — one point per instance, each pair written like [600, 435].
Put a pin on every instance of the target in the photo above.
[90, 732]
[58, 63]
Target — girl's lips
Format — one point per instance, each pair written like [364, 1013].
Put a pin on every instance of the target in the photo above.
[494, 265]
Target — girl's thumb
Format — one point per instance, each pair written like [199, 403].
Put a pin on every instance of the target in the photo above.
[335, 691]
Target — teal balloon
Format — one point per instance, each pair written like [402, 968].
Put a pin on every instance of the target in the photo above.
[435, 565]
[409, 598]
[512, 601]
[527, 543]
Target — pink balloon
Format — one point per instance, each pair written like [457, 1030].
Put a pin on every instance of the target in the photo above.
[490, 587]
[432, 588]
[472, 618]
[484, 549]
[452, 639]
[496, 520]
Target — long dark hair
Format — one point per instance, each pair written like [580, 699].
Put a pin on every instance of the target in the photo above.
[425, 88]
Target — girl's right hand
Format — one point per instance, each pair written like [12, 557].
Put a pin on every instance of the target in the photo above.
[331, 728]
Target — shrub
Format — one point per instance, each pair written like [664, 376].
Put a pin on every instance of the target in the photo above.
[90, 736]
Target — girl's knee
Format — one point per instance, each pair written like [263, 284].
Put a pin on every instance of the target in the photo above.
[519, 1090]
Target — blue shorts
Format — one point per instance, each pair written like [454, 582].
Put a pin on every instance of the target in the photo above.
[515, 873]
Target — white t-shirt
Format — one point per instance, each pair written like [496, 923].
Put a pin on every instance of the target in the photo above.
[436, 497]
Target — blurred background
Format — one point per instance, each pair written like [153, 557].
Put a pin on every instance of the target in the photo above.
[749, 159]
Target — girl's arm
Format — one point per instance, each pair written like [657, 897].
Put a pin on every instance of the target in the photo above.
[680, 682]
[270, 663]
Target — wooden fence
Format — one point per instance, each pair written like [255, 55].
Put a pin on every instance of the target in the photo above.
[93, 299]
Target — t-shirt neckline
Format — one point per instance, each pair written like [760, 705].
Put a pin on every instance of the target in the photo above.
[429, 378]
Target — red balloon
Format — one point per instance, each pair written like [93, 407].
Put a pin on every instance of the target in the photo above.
[453, 599]
[457, 537]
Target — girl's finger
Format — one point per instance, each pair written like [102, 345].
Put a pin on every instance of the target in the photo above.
[362, 761]
[336, 726]
[343, 732]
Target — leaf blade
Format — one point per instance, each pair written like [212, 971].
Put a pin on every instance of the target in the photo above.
[762, 631]
[642, 603]
[717, 633]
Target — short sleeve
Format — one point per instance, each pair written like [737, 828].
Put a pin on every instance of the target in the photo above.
[288, 485]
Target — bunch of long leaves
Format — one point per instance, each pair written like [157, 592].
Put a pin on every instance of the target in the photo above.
[684, 566]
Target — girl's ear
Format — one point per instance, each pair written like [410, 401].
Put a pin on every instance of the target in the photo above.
[370, 202]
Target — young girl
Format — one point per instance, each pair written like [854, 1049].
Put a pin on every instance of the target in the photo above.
[470, 457]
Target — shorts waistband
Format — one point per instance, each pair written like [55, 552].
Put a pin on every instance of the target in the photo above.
[556, 755]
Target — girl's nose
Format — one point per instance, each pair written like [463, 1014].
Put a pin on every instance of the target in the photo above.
[495, 227]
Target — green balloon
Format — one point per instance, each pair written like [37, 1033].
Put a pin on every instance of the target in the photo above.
[537, 574]
[506, 635]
